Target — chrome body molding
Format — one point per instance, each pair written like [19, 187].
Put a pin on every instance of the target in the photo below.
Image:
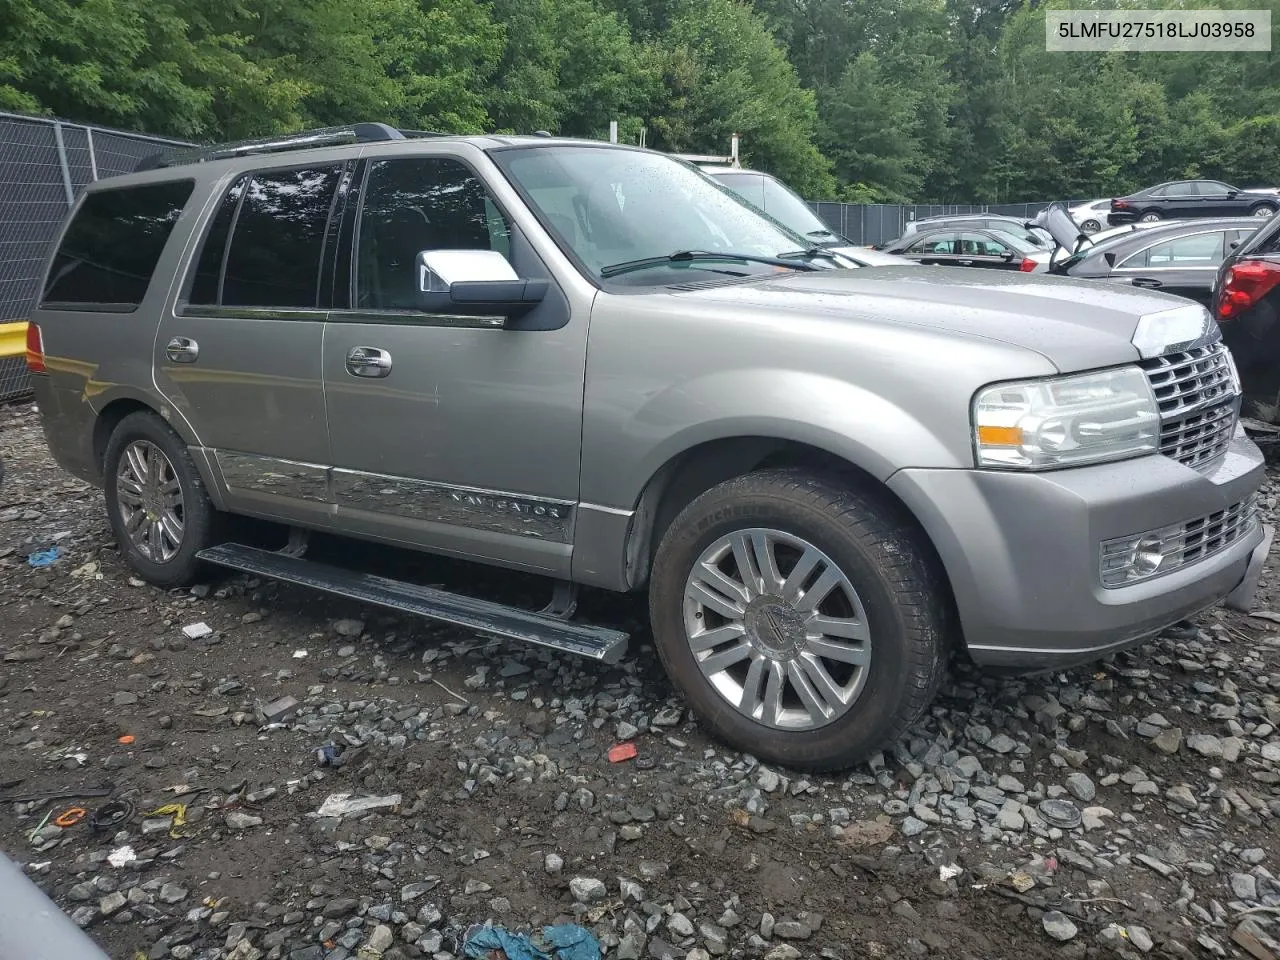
[249, 472]
[494, 511]
[491, 510]
[413, 317]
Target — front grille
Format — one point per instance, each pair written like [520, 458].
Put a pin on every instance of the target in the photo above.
[1199, 403]
[1176, 546]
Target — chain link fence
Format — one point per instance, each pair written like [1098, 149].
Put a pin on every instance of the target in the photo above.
[869, 224]
[44, 164]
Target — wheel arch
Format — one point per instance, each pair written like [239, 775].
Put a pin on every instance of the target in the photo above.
[123, 405]
[696, 469]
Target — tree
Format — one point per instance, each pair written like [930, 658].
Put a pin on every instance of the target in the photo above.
[724, 73]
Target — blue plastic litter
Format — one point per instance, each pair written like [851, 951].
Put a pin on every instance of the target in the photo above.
[568, 941]
[44, 558]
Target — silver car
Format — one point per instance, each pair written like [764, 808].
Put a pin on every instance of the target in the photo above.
[585, 361]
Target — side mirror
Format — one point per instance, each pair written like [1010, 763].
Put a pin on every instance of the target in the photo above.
[474, 282]
[1007, 256]
[1232, 194]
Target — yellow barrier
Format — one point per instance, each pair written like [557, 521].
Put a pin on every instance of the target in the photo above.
[13, 339]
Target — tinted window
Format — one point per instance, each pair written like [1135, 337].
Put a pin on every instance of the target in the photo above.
[204, 288]
[979, 245]
[1202, 250]
[1212, 188]
[278, 239]
[113, 244]
[428, 203]
[936, 244]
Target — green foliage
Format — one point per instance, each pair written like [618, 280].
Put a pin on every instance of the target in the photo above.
[924, 100]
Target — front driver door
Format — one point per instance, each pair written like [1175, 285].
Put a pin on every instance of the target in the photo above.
[453, 433]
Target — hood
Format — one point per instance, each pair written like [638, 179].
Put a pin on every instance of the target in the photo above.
[1075, 324]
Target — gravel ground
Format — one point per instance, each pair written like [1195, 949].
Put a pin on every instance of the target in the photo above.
[1124, 809]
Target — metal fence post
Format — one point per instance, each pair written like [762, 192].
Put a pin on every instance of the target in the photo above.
[62, 160]
[93, 158]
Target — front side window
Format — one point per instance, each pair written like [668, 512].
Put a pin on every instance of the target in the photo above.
[113, 243]
[979, 245]
[610, 206]
[416, 204]
[278, 239]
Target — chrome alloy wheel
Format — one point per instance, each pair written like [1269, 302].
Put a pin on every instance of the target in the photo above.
[150, 500]
[777, 629]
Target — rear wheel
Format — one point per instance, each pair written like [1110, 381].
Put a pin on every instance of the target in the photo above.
[804, 621]
[1263, 210]
[156, 501]
[1150, 217]
[1090, 226]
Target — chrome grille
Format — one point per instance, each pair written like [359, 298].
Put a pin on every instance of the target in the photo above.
[1179, 545]
[1199, 403]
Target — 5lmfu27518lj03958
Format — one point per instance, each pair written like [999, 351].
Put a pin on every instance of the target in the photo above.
[590, 362]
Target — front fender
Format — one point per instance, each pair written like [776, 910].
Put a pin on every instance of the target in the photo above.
[845, 420]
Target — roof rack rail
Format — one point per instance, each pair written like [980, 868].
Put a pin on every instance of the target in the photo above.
[302, 140]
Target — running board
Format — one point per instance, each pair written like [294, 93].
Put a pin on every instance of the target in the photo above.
[512, 623]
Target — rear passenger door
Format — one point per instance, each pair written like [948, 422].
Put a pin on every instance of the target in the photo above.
[239, 354]
[937, 248]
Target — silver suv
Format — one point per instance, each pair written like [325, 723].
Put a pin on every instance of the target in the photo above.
[588, 362]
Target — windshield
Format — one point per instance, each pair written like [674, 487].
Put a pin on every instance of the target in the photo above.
[609, 206]
[777, 200]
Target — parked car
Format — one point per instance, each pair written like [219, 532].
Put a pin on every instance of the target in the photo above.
[1180, 257]
[770, 195]
[1247, 306]
[1092, 215]
[990, 249]
[584, 361]
[976, 221]
[1182, 199]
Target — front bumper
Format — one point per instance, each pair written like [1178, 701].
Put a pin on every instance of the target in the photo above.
[1022, 551]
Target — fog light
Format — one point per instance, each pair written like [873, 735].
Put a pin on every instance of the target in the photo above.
[1148, 553]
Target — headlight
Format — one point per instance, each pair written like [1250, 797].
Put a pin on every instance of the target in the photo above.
[1066, 421]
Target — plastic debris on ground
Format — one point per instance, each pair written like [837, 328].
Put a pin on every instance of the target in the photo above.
[121, 856]
[345, 805]
[566, 941]
[176, 810]
[299, 654]
[949, 872]
[197, 631]
[621, 752]
[329, 756]
[44, 558]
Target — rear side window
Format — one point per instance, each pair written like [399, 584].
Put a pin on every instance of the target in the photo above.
[278, 238]
[207, 285]
[112, 245]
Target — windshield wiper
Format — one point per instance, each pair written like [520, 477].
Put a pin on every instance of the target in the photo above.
[685, 256]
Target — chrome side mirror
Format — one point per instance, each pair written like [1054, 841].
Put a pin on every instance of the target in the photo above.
[474, 282]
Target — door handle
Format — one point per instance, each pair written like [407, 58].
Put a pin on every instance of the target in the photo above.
[965, 263]
[182, 350]
[368, 362]
[1148, 282]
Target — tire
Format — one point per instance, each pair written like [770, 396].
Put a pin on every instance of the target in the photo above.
[159, 557]
[898, 595]
[1262, 210]
[1090, 226]
[1151, 216]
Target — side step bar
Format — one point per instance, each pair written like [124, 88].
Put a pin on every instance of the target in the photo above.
[512, 623]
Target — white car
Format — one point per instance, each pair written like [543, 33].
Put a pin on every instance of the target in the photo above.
[1091, 216]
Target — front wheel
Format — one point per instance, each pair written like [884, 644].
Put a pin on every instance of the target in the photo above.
[804, 620]
[1263, 210]
[156, 501]
[1149, 217]
[1090, 226]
